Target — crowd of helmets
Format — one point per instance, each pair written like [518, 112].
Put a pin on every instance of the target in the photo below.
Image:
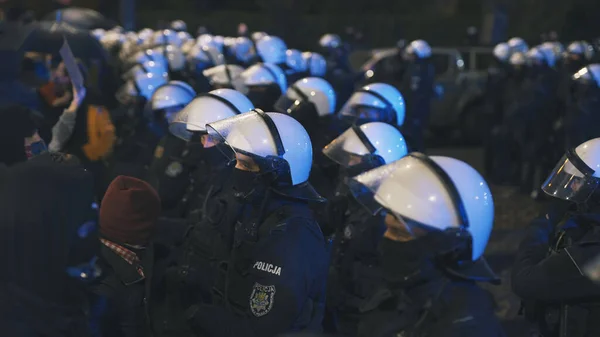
[542, 101]
[280, 210]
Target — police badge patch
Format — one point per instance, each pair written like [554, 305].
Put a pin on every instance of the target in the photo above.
[174, 169]
[262, 299]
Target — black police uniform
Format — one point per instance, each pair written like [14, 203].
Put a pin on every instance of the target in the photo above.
[417, 89]
[255, 266]
[581, 117]
[424, 299]
[209, 171]
[548, 275]
[168, 174]
[355, 272]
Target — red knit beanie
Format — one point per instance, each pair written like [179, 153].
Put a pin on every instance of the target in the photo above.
[129, 211]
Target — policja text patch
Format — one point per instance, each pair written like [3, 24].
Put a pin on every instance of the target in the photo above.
[269, 268]
[262, 299]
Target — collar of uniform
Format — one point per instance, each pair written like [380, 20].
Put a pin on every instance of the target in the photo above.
[127, 273]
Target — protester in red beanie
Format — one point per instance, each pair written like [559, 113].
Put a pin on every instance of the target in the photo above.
[129, 258]
[129, 211]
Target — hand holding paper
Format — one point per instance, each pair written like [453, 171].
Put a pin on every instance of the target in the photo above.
[71, 64]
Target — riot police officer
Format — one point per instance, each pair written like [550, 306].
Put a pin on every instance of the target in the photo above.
[533, 121]
[166, 168]
[354, 272]
[584, 101]
[296, 65]
[518, 45]
[264, 83]
[376, 102]
[496, 84]
[439, 216]
[547, 273]
[417, 88]
[256, 266]
[316, 65]
[137, 138]
[225, 76]
[336, 53]
[202, 159]
[271, 49]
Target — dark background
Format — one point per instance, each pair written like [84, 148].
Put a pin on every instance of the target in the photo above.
[383, 22]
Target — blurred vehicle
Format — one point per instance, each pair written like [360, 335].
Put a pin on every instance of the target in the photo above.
[461, 74]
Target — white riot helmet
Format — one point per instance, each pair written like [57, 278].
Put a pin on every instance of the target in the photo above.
[577, 175]
[258, 35]
[208, 108]
[315, 64]
[581, 49]
[147, 67]
[204, 57]
[243, 49]
[173, 55]
[517, 59]
[373, 144]
[502, 52]
[589, 75]
[145, 34]
[436, 194]
[141, 85]
[540, 56]
[185, 37]
[295, 61]
[111, 40]
[418, 49]
[155, 58]
[271, 49]
[98, 33]
[330, 41]
[307, 100]
[264, 83]
[225, 76]
[518, 45]
[172, 97]
[377, 102]
[556, 47]
[179, 26]
[276, 142]
[166, 37]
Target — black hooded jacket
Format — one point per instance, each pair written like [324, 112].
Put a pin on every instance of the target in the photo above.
[42, 205]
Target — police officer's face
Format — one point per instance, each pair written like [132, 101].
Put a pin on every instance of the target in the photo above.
[207, 142]
[245, 163]
[398, 230]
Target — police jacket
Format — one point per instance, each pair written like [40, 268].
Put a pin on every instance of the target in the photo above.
[548, 272]
[167, 172]
[255, 267]
[440, 307]
[355, 271]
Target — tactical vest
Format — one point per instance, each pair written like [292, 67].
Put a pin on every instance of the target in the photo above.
[229, 257]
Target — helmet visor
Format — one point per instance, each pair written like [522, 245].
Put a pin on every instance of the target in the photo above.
[571, 180]
[247, 135]
[348, 149]
[178, 127]
[360, 112]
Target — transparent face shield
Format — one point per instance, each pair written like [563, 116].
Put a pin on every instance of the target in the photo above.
[361, 113]
[388, 189]
[571, 180]
[178, 126]
[351, 148]
[251, 135]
